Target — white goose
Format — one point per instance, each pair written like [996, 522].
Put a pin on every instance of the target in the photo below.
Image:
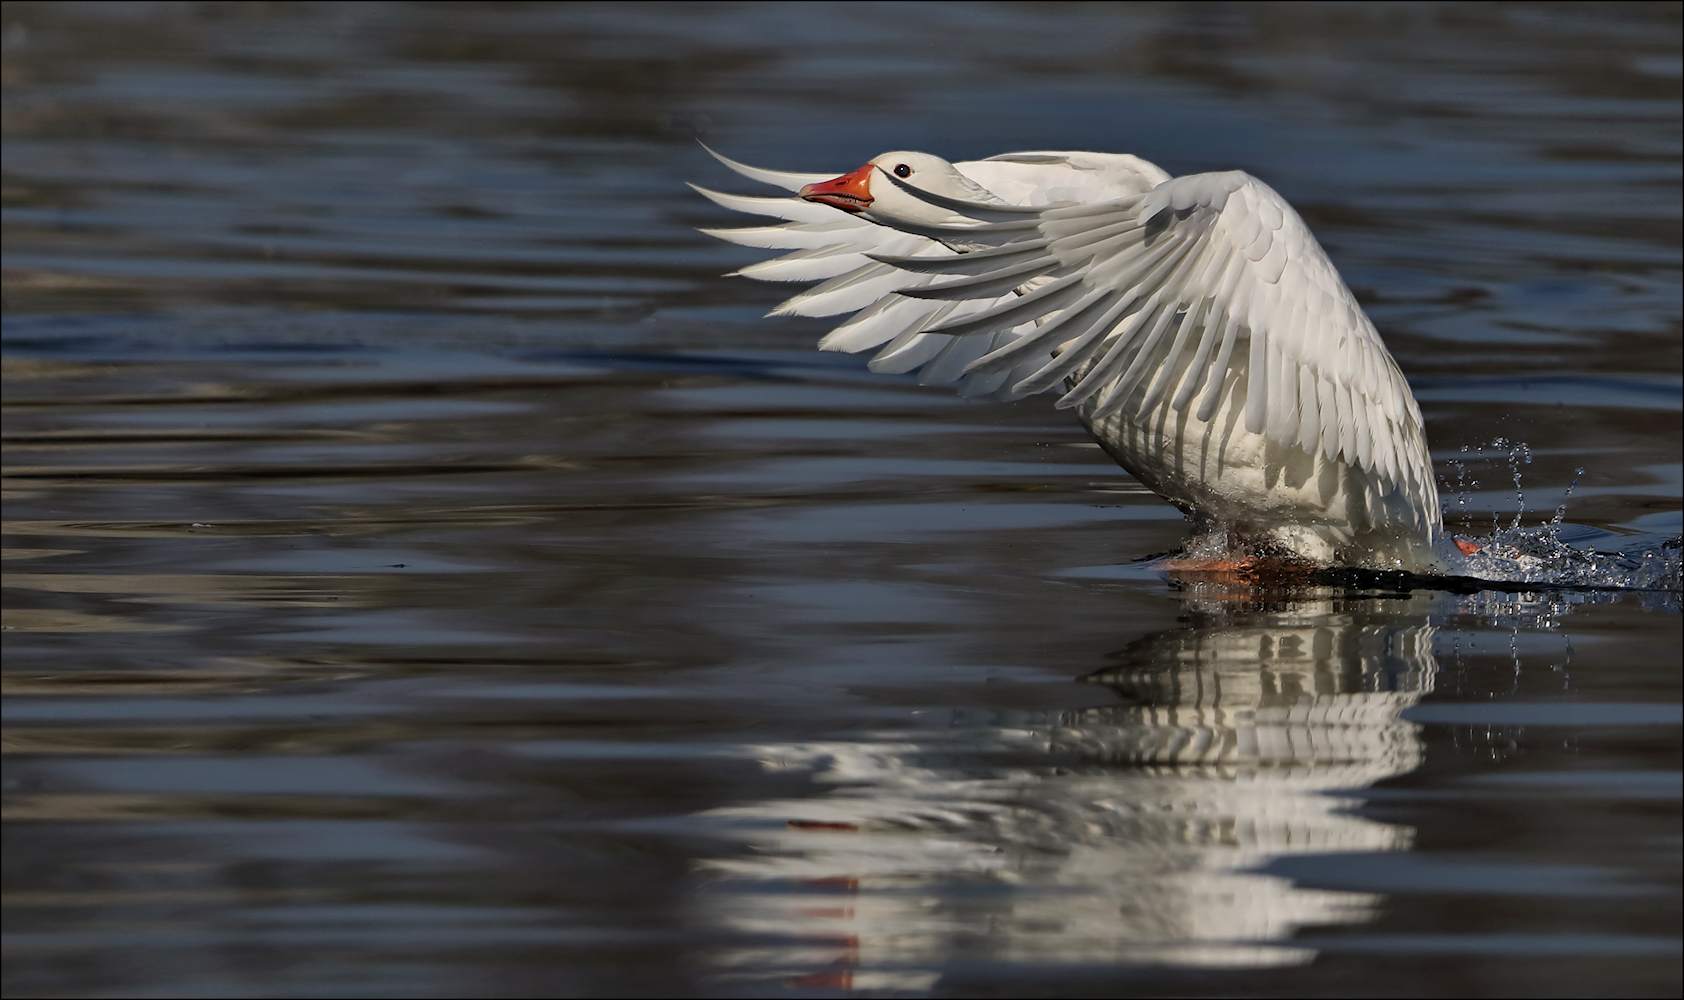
[1194, 324]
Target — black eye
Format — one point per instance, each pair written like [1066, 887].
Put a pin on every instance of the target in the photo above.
[902, 170]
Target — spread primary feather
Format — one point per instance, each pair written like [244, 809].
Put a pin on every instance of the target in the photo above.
[1194, 324]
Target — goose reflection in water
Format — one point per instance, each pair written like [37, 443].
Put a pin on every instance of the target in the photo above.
[1133, 833]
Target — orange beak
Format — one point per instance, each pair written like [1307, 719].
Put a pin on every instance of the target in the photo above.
[1468, 548]
[851, 192]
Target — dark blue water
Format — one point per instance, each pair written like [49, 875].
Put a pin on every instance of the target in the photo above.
[427, 576]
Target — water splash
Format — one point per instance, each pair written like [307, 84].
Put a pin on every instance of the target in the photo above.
[1464, 492]
[1517, 554]
[1538, 555]
[1561, 511]
[1518, 454]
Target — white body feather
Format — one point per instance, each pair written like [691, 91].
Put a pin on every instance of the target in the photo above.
[1194, 324]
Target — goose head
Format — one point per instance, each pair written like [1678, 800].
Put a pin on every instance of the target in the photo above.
[871, 190]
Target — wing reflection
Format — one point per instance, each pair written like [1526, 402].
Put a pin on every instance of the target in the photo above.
[1129, 833]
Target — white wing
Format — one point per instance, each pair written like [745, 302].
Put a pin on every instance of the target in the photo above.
[1141, 302]
[1150, 297]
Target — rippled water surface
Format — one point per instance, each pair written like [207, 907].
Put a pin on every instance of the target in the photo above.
[427, 576]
